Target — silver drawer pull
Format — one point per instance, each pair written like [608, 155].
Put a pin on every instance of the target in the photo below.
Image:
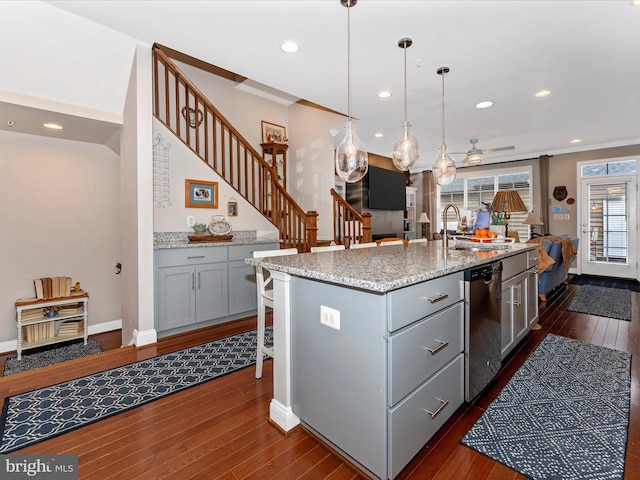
[434, 414]
[198, 256]
[438, 297]
[438, 348]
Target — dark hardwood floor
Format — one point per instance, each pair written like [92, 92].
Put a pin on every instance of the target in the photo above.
[220, 429]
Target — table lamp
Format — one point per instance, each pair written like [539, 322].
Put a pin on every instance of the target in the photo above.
[533, 220]
[507, 201]
[423, 219]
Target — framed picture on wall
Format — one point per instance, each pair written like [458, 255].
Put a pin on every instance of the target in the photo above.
[200, 194]
[232, 208]
[272, 133]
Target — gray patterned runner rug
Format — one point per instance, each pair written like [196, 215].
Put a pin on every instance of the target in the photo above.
[602, 301]
[34, 416]
[564, 415]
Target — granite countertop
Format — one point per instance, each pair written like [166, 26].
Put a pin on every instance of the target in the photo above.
[164, 240]
[382, 269]
[185, 244]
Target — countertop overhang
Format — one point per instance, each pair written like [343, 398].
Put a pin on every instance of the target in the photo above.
[386, 268]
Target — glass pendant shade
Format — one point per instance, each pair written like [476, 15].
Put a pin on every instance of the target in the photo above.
[406, 149]
[351, 157]
[444, 168]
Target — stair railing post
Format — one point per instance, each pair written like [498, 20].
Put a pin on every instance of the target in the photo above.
[311, 225]
[366, 227]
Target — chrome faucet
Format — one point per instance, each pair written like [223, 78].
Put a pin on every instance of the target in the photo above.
[445, 236]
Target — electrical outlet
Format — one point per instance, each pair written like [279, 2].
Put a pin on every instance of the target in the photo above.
[330, 317]
[191, 220]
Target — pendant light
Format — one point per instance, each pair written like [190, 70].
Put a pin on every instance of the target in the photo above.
[352, 159]
[444, 168]
[406, 149]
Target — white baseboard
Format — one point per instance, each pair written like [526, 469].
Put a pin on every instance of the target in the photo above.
[12, 345]
[146, 337]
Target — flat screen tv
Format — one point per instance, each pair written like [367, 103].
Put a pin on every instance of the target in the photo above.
[386, 189]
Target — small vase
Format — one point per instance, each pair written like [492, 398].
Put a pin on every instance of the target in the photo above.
[52, 313]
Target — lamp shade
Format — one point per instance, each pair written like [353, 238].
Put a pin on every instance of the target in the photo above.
[423, 218]
[508, 201]
[533, 219]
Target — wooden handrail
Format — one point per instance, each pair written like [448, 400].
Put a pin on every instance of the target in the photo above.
[349, 226]
[186, 111]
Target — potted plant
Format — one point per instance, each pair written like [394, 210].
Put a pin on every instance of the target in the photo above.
[200, 229]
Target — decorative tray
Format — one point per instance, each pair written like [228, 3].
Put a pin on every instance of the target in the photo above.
[483, 243]
[210, 238]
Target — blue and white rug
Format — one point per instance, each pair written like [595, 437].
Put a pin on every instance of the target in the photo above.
[35, 416]
[564, 415]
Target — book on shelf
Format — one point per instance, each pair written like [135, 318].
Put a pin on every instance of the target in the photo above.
[52, 287]
[71, 327]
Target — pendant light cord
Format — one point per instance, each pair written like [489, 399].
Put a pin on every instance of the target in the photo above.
[443, 74]
[349, 59]
[405, 81]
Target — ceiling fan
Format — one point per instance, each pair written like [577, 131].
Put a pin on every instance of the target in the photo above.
[474, 155]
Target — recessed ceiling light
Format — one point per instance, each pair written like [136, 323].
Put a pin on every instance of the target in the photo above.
[635, 3]
[52, 126]
[290, 47]
[576, 140]
[378, 135]
[384, 94]
[543, 93]
[486, 104]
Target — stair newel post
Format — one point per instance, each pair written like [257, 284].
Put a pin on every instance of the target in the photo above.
[311, 225]
[366, 227]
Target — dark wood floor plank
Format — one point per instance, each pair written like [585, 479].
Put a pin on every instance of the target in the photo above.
[220, 429]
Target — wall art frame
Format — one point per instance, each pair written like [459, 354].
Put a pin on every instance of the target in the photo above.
[272, 133]
[200, 194]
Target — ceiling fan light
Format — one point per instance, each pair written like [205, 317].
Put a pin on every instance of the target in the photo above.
[406, 150]
[474, 157]
[351, 157]
[444, 168]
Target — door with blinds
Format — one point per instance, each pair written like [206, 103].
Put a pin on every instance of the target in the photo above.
[608, 219]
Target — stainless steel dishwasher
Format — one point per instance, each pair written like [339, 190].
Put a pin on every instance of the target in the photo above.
[482, 298]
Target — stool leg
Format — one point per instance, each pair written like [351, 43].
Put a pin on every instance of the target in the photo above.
[260, 332]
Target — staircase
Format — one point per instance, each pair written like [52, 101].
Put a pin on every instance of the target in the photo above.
[184, 110]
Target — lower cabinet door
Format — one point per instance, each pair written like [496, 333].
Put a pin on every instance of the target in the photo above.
[419, 416]
[242, 287]
[176, 297]
[211, 291]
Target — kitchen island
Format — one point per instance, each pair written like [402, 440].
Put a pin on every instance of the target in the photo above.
[369, 346]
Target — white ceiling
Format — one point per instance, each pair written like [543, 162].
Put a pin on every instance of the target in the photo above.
[586, 52]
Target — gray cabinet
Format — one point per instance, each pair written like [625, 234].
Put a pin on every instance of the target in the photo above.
[204, 285]
[519, 298]
[384, 382]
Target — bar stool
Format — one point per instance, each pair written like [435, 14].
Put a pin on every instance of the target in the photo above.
[265, 299]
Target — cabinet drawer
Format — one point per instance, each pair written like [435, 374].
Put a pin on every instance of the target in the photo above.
[411, 426]
[532, 258]
[417, 301]
[191, 256]
[514, 265]
[410, 360]
[240, 252]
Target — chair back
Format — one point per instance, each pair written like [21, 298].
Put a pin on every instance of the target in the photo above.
[362, 245]
[327, 248]
[418, 240]
[392, 241]
[263, 279]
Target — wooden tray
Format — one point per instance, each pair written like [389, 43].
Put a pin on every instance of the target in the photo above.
[210, 238]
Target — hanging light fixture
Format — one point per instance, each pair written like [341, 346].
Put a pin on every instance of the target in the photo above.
[406, 149]
[352, 159]
[444, 168]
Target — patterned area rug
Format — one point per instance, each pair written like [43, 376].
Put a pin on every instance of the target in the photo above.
[34, 416]
[604, 302]
[564, 414]
[31, 361]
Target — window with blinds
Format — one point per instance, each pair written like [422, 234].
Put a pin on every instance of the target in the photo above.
[470, 192]
[608, 219]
